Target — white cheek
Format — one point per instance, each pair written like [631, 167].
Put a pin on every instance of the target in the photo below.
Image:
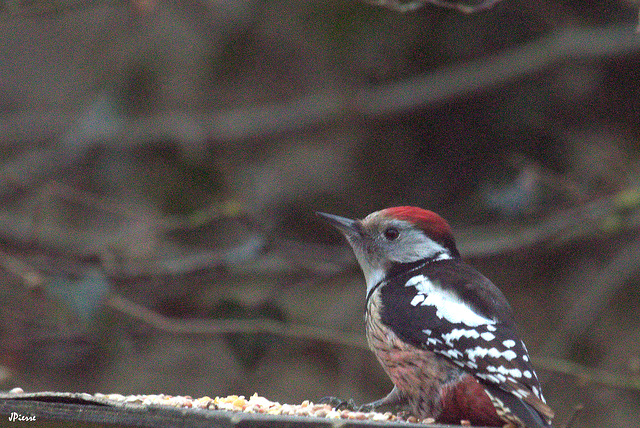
[417, 247]
[373, 277]
[372, 268]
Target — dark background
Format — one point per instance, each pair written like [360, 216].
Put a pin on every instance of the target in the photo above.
[161, 162]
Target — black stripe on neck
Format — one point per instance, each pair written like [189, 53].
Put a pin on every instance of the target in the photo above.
[398, 269]
[402, 268]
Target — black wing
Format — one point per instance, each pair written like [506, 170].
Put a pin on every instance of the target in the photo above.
[451, 309]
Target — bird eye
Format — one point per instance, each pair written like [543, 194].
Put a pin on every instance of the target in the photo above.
[391, 233]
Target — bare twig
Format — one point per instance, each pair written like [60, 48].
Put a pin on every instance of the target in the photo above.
[576, 411]
[595, 294]
[12, 10]
[464, 8]
[398, 5]
[409, 6]
[246, 251]
[76, 244]
[588, 374]
[320, 334]
[30, 277]
[588, 218]
[317, 258]
[460, 79]
[33, 164]
[58, 190]
[226, 326]
[584, 220]
[261, 121]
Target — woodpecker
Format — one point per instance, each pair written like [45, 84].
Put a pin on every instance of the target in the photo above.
[443, 332]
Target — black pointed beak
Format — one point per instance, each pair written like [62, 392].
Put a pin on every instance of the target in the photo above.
[343, 224]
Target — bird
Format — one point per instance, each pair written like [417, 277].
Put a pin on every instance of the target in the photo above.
[444, 333]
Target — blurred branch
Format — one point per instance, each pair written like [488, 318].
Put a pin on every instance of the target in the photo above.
[464, 8]
[408, 6]
[32, 165]
[587, 374]
[595, 290]
[582, 220]
[226, 326]
[27, 275]
[243, 252]
[22, 231]
[13, 9]
[56, 189]
[329, 336]
[576, 411]
[247, 123]
[320, 259]
[74, 245]
[398, 5]
[466, 78]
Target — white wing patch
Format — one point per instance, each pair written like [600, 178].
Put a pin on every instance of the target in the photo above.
[488, 336]
[417, 300]
[457, 333]
[480, 352]
[443, 256]
[448, 305]
[514, 373]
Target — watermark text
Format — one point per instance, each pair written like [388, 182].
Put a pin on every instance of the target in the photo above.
[17, 417]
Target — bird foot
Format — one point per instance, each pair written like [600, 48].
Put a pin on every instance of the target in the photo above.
[366, 408]
[339, 404]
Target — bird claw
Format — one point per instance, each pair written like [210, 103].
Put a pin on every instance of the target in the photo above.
[339, 404]
[366, 408]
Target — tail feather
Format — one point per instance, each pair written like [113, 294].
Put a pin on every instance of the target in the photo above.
[507, 405]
